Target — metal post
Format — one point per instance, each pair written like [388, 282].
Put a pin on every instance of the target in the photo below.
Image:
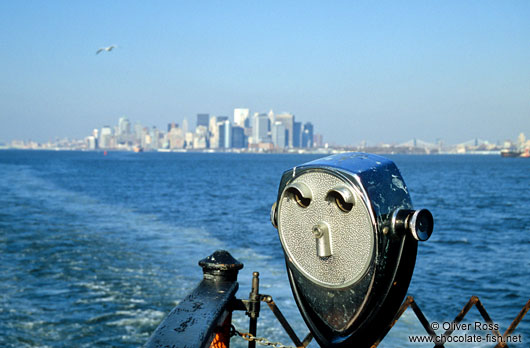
[203, 317]
[254, 308]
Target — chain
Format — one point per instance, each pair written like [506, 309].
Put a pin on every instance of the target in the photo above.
[247, 336]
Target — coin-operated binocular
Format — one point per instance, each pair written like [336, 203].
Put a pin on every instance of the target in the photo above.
[350, 237]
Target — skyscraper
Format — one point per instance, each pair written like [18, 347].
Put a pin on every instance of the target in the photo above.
[155, 138]
[171, 125]
[271, 118]
[106, 140]
[189, 140]
[92, 143]
[203, 120]
[240, 116]
[123, 131]
[238, 137]
[221, 135]
[278, 135]
[318, 140]
[307, 135]
[225, 134]
[228, 134]
[213, 133]
[287, 120]
[216, 139]
[200, 140]
[261, 128]
[124, 126]
[138, 132]
[297, 134]
[175, 138]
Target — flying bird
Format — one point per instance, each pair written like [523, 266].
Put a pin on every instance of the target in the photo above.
[108, 49]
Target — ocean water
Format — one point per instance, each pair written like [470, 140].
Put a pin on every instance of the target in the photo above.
[95, 250]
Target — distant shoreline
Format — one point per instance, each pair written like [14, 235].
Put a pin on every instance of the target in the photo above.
[319, 151]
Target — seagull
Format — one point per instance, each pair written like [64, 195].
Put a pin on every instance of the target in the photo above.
[108, 49]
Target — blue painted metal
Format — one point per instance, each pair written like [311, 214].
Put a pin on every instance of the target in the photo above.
[194, 321]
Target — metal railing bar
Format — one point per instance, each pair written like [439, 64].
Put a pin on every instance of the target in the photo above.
[285, 324]
[487, 318]
[514, 324]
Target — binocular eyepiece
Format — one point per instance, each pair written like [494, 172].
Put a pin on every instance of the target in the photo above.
[349, 235]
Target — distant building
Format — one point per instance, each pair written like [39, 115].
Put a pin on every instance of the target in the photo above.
[176, 138]
[213, 133]
[240, 116]
[91, 142]
[106, 138]
[261, 128]
[171, 125]
[155, 139]
[318, 140]
[138, 133]
[216, 139]
[124, 126]
[203, 120]
[221, 135]
[297, 134]
[307, 135]
[145, 138]
[225, 134]
[200, 140]
[238, 137]
[189, 140]
[123, 132]
[272, 119]
[248, 123]
[287, 120]
[95, 135]
[228, 134]
[279, 133]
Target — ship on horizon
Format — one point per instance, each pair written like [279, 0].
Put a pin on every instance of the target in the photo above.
[515, 153]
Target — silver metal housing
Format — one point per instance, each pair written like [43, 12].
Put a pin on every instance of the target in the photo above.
[341, 254]
[349, 258]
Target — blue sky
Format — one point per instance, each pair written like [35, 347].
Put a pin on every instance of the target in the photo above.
[374, 71]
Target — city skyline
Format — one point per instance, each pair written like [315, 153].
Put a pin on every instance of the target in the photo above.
[363, 143]
[363, 71]
[255, 131]
[232, 117]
